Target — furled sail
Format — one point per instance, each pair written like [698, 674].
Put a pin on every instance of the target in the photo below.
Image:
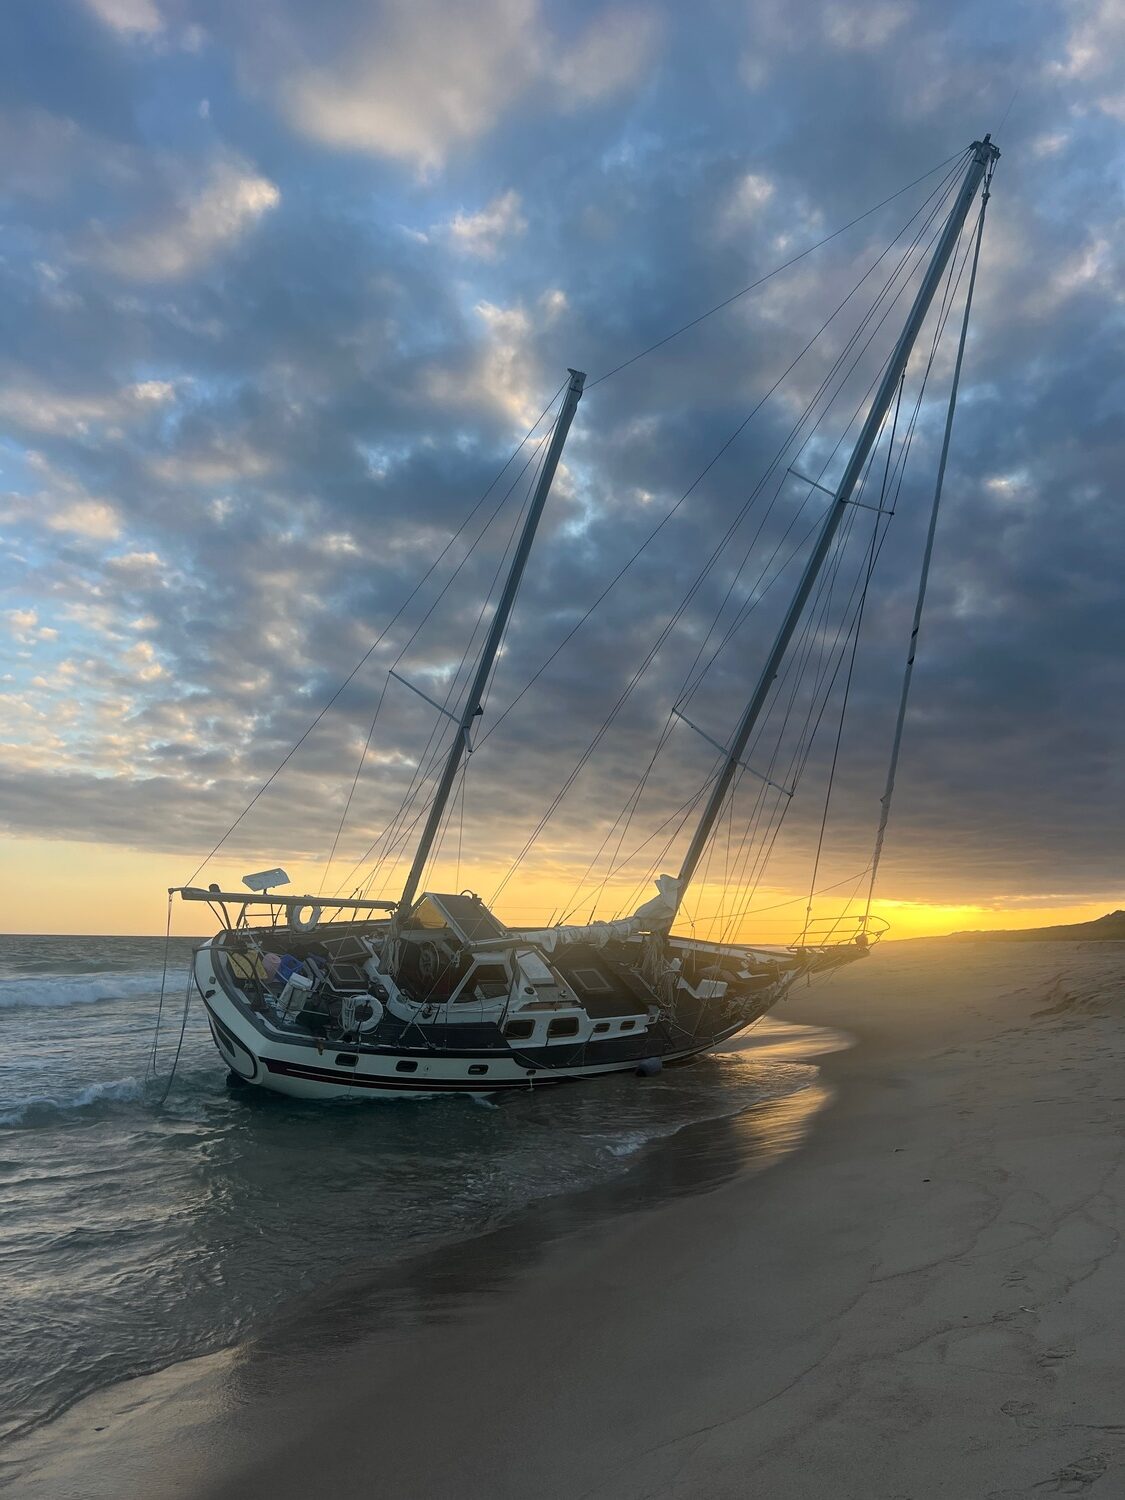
[655, 915]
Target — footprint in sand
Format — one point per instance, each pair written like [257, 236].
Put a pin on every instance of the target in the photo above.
[1052, 1356]
[1022, 1413]
[1075, 1477]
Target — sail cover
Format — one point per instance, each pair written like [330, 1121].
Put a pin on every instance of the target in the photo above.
[654, 915]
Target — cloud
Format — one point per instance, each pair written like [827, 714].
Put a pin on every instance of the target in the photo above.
[745, 202]
[430, 75]
[36, 408]
[130, 17]
[194, 230]
[864, 26]
[481, 234]
[95, 519]
[616, 49]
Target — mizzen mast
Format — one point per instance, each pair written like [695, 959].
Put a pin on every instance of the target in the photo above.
[471, 707]
[984, 153]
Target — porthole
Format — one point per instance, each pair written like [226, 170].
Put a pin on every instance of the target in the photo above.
[346, 1059]
[407, 1065]
[601, 1026]
[478, 1068]
[627, 1025]
[518, 1030]
[564, 1026]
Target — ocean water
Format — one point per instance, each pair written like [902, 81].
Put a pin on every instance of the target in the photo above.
[135, 1233]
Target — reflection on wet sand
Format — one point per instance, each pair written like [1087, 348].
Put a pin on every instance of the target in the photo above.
[450, 1280]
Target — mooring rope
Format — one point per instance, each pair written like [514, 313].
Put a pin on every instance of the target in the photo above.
[163, 982]
[180, 1043]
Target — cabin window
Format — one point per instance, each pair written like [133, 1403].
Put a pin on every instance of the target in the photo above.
[601, 1026]
[564, 1026]
[426, 917]
[518, 1030]
[591, 980]
[627, 1025]
[346, 1059]
[407, 1065]
[491, 981]
[478, 1068]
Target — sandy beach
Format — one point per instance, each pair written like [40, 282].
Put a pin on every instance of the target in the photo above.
[923, 1299]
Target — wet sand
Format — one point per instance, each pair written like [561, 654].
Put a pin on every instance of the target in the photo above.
[923, 1300]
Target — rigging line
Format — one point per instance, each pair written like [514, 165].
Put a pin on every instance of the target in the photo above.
[936, 198]
[759, 804]
[756, 595]
[694, 322]
[415, 790]
[461, 826]
[869, 467]
[412, 789]
[858, 628]
[927, 556]
[950, 293]
[748, 607]
[800, 753]
[872, 553]
[447, 819]
[904, 456]
[670, 624]
[685, 807]
[689, 688]
[375, 645]
[500, 567]
[735, 784]
[439, 725]
[793, 901]
[1008, 111]
[814, 631]
[632, 802]
[351, 789]
[394, 844]
[789, 671]
[803, 751]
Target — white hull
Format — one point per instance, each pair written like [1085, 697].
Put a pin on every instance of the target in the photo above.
[264, 1057]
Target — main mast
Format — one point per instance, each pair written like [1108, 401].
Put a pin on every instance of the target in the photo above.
[984, 154]
[472, 704]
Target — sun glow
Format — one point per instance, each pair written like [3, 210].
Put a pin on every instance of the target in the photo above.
[55, 886]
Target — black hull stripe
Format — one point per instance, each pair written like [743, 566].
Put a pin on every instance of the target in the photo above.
[277, 1065]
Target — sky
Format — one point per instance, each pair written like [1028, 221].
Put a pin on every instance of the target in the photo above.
[283, 288]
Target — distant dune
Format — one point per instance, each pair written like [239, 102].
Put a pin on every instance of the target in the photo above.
[1110, 928]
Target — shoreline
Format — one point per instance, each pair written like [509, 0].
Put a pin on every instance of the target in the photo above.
[915, 1302]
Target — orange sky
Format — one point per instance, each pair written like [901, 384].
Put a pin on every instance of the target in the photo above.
[62, 887]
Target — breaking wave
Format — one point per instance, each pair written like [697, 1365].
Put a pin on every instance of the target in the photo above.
[53, 990]
[30, 1111]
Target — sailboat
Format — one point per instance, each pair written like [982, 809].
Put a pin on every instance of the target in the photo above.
[432, 993]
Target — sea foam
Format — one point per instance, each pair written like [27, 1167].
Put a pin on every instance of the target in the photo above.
[118, 1090]
[80, 989]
